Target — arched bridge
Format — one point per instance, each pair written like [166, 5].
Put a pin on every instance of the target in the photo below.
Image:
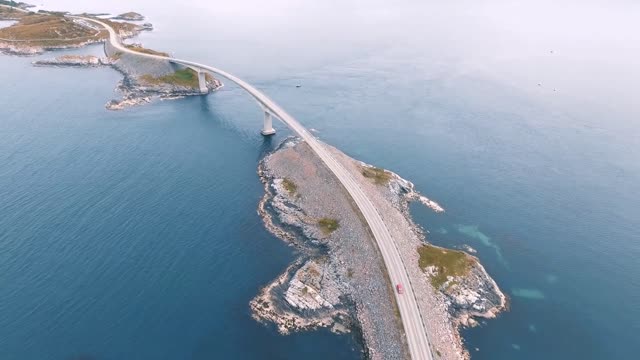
[415, 331]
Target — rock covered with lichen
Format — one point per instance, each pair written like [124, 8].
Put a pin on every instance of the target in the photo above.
[75, 60]
[305, 297]
[472, 295]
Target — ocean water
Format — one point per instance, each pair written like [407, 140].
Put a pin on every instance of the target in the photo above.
[134, 234]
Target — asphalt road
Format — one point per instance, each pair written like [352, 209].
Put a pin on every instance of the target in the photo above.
[415, 331]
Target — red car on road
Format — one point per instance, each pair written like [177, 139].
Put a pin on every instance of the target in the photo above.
[400, 289]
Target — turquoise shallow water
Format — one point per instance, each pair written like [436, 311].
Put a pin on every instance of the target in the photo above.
[134, 234]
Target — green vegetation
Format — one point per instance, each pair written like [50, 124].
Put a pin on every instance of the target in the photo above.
[328, 225]
[185, 77]
[140, 49]
[447, 262]
[290, 186]
[350, 273]
[379, 176]
[438, 353]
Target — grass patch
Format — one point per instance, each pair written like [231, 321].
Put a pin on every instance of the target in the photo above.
[143, 50]
[290, 186]
[379, 176]
[185, 77]
[447, 262]
[328, 225]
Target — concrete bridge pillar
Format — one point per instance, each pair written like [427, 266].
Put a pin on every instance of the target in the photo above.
[202, 82]
[267, 128]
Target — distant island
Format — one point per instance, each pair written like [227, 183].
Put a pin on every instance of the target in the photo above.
[129, 16]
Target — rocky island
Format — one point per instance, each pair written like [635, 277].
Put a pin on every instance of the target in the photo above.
[144, 79]
[339, 280]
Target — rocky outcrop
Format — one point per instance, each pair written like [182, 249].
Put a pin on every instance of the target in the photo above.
[313, 287]
[128, 101]
[75, 61]
[135, 93]
[474, 295]
[22, 48]
[403, 191]
[305, 297]
[135, 68]
[13, 48]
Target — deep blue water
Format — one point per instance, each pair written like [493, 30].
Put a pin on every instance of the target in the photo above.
[134, 234]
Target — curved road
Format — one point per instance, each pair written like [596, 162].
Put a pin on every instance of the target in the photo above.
[416, 334]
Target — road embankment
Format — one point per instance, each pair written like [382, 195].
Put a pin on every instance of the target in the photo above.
[308, 208]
